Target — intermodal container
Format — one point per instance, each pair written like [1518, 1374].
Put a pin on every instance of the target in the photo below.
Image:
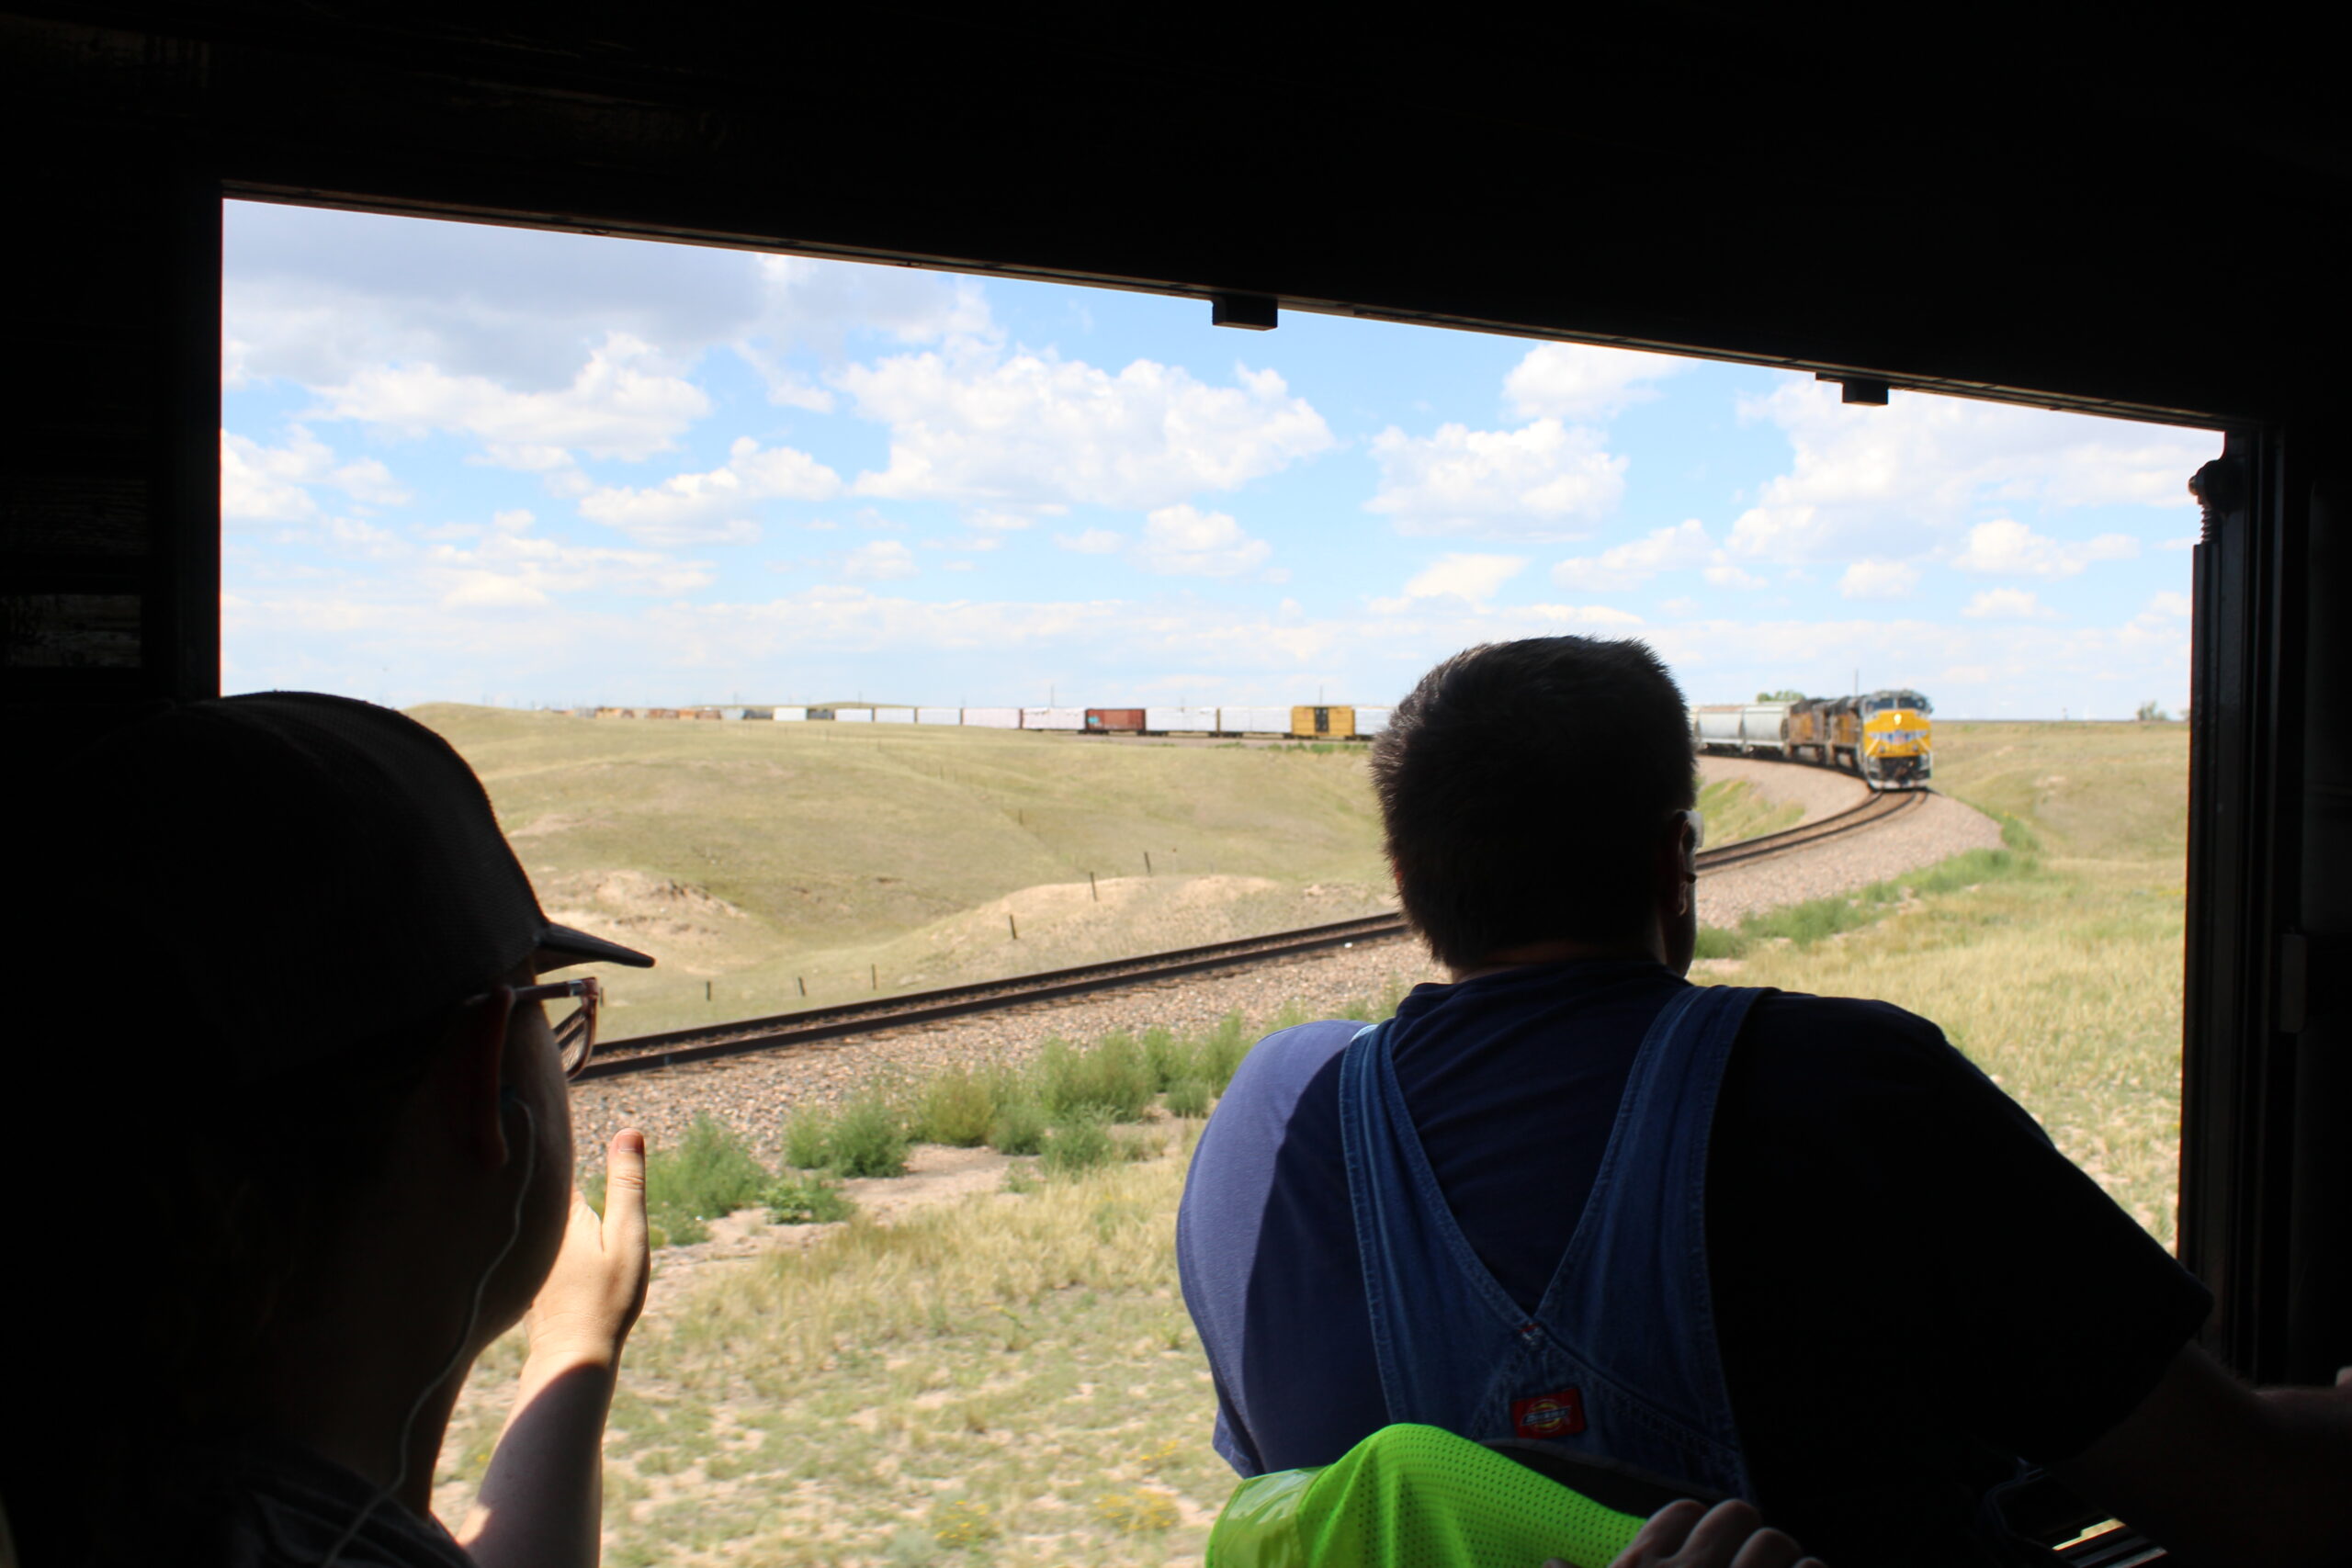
[894, 716]
[1113, 721]
[853, 715]
[939, 716]
[992, 718]
[791, 715]
[1180, 720]
[1053, 719]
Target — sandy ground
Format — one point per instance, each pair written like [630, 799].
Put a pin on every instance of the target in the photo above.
[1821, 792]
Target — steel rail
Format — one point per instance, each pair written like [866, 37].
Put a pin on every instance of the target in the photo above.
[648, 1053]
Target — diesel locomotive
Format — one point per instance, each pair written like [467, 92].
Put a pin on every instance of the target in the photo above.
[1885, 737]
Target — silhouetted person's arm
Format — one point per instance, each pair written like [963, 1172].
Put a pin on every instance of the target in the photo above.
[2216, 1472]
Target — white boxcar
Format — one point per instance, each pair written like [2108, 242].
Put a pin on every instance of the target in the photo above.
[939, 716]
[1254, 721]
[1053, 719]
[894, 716]
[853, 715]
[993, 718]
[730, 713]
[1372, 721]
[1164, 720]
[791, 715]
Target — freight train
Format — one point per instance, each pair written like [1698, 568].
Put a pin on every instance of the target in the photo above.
[1884, 737]
[1313, 721]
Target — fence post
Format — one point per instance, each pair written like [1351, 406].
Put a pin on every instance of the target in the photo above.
[705, 991]
[1014, 924]
[874, 973]
[1147, 863]
[1097, 892]
[804, 983]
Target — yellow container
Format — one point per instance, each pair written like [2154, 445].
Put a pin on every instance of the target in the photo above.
[1323, 723]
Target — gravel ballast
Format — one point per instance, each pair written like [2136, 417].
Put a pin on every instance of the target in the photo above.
[755, 1094]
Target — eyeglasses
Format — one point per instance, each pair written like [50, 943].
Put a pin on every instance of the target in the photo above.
[575, 1031]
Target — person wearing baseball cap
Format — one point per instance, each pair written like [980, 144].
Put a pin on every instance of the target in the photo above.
[298, 1072]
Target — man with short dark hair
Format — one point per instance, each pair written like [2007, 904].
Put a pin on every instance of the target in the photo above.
[302, 1123]
[1786, 1247]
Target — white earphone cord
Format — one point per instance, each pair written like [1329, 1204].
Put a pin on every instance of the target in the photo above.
[458, 1352]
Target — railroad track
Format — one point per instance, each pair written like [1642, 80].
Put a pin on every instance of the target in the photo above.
[812, 1026]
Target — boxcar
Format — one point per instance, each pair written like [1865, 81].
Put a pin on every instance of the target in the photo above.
[1254, 721]
[1323, 723]
[853, 715]
[1053, 719]
[1372, 721]
[992, 718]
[1113, 721]
[1179, 721]
[939, 716]
[894, 716]
[792, 716]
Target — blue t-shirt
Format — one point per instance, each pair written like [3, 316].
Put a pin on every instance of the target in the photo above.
[1913, 1289]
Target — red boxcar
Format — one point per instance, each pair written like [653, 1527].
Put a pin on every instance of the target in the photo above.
[1113, 721]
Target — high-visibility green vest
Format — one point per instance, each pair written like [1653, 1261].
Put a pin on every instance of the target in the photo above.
[1415, 1498]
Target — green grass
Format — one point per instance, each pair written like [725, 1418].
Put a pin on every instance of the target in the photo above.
[799, 1198]
[754, 858]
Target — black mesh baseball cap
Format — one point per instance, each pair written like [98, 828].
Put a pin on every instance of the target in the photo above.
[267, 850]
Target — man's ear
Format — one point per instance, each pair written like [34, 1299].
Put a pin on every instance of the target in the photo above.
[478, 1068]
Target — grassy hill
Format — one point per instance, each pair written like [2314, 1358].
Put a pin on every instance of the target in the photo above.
[760, 857]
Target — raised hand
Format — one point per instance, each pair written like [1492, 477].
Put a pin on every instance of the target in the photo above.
[593, 1293]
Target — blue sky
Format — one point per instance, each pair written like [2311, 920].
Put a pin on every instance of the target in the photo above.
[468, 463]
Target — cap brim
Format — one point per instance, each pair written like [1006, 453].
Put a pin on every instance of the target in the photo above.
[561, 946]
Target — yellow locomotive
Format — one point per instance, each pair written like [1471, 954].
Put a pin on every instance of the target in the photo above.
[1884, 737]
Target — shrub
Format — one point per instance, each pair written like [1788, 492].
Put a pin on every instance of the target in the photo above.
[711, 1173]
[1110, 1079]
[1189, 1097]
[1222, 1050]
[1169, 1058]
[1077, 1143]
[798, 1200]
[808, 1138]
[957, 1106]
[1019, 1128]
[869, 1138]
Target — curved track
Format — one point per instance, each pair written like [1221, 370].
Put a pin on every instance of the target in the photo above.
[646, 1053]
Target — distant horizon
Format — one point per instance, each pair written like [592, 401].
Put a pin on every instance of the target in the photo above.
[554, 467]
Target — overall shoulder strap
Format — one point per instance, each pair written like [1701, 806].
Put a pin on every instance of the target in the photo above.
[1437, 1314]
[1633, 1290]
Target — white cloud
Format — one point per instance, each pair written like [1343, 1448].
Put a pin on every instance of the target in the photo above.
[512, 568]
[883, 561]
[1544, 481]
[1629, 565]
[1179, 541]
[1723, 574]
[712, 507]
[817, 301]
[2005, 547]
[1040, 430]
[1879, 579]
[622, 403]
[2175, 605]
[1092, 542]
[1864, 479]
[997, 522]
[1473, 578]
[2008, 605]
[1584, 381]
[272, 484]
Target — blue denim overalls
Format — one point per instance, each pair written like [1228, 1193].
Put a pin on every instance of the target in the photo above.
[1620, 1359]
